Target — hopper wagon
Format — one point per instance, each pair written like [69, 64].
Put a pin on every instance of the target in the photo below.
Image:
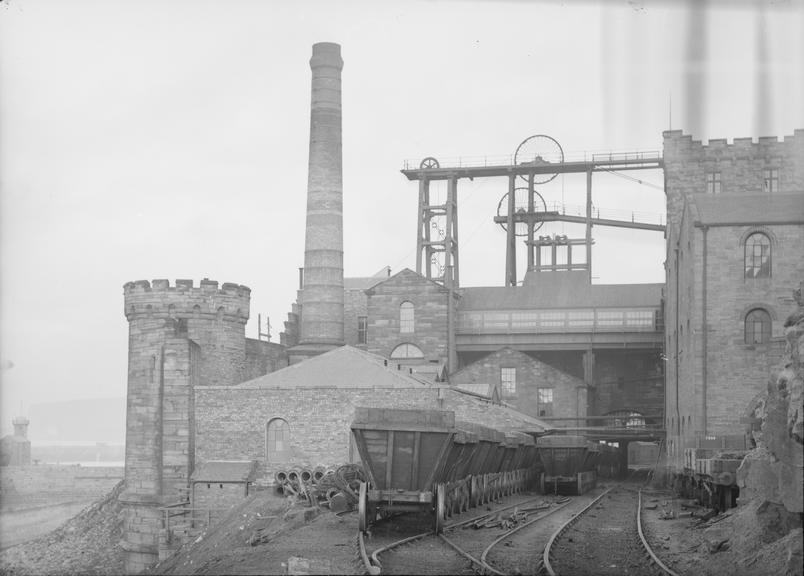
[569, 464]
[425, 461]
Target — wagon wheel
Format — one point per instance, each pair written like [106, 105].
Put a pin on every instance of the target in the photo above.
[363, 508]
[440, 512]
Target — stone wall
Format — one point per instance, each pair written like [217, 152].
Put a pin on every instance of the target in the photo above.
[231, 422]
[429, 300]
[569, 393]
[355, 304]
[741, 165]
[217, 497]
[263, 358]
[24, 487]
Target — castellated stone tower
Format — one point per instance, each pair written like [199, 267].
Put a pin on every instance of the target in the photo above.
[179, 337]
[322, 294]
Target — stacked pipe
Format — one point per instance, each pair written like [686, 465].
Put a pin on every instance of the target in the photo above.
[335, 488]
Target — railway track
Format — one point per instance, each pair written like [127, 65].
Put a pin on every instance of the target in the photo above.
[461, 549]
[617, 537]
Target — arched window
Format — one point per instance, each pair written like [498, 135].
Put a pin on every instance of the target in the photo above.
[407, 351]
[277, 441]
[626, 418]
[757, 326]
[406, 317]
[757, 256]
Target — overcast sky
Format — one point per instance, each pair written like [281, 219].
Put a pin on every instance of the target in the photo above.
[143, 140]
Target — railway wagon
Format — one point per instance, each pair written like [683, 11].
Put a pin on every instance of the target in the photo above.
[422, 460]
[569, 464]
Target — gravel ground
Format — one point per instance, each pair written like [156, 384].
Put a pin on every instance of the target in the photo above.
[752, 540]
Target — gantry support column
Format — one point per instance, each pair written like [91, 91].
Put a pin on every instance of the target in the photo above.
[589, 224]
[510, 247]
[531, 222]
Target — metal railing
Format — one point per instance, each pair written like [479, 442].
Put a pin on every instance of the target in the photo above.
[570, 320]
[601, 157]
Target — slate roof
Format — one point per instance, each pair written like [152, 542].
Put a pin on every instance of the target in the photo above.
[366, 282]
[225, 471]
[344, 367]
[560, 295]
[725, 209]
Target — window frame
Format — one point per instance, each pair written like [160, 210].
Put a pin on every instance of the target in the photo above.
[764, 269]
[407, 317]
[714, 183]
[407, 346]
[757, 317]
[508, 385]
[770, 180]
[548, 404]
[362, 329]
[271, 453]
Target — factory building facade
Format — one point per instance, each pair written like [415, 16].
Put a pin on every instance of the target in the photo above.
[734, 257]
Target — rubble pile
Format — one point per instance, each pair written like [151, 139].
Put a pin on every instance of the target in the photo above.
[774, 471]
[89, 543]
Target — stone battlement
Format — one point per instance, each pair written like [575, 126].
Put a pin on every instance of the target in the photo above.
[159, 298]
[678, 141]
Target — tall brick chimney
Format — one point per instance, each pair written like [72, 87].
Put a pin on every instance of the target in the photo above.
[322, 293]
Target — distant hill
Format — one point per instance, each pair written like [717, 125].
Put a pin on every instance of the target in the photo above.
[85, 420]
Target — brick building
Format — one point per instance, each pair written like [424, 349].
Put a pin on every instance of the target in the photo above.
[734, 256]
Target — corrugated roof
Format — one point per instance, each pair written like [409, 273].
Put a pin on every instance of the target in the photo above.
[743, 209]
[557, 294]
[344, 367]
[225, 471]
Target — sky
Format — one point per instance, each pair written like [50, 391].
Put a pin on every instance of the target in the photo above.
[143, 140]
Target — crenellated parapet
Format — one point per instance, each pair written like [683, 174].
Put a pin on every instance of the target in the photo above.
[158, 299]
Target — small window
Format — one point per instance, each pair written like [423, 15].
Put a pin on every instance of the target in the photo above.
[362, 327]
[757, 256]
[277, 440]
[508, 381]
[770, 177]
[544, 397]
[757, 326]
[713, 183]
[406, 317]
[407, 351]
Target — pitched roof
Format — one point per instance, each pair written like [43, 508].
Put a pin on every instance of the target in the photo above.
[724, 209]
[407, 272]
[366, 282]
[344, 367]
[559, 295]
[225, 471]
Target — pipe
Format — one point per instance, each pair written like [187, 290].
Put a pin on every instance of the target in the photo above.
[704, 343]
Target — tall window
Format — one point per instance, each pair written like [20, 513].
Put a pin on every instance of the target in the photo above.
[544, 397]
[277, 440]
[508, 381]
[713, 182]
[757, 326]
[770, 177]
[362, 327]
[406, 317]
[757, 256]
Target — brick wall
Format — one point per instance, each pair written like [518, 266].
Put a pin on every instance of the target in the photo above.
[430, 315]
[231, 422]
[569, 393]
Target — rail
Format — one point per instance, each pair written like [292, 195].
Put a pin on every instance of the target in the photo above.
[595, 157]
